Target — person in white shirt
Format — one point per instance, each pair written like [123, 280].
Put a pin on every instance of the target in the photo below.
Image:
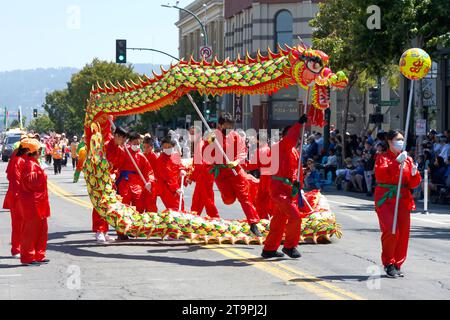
[445, 150]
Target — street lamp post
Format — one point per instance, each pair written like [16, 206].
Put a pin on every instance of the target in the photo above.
[205, 37]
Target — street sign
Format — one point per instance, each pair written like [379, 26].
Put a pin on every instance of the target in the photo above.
[238, 108]
[421, 127]
[188, 118]
[206, 52]
[389, 103]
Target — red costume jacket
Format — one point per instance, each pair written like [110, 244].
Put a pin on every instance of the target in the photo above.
[33, 192]
[387, 173]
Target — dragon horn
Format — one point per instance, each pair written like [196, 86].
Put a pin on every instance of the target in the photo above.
[142, 80]
[128, 85]
[270, 53]
[99, 86]
[112, 85]
[136, 85]
[259, 56]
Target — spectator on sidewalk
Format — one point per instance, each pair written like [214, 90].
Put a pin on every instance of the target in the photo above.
[312, 176]
[357, 177]
[331, 164]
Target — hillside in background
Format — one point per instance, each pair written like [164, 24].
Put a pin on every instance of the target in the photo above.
[27, 88]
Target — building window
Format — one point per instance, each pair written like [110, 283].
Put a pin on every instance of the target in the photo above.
[283, 28]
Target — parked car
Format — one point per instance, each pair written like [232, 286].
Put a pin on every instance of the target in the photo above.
[8, 146]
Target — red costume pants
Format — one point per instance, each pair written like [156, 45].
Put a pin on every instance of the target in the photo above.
[203, 197]
[171, 199]
[16, 226]
[394, 246]
[33, 242]
[286, 219]
[150, 199]
[233, 187]
[263, 203]
[98, 223]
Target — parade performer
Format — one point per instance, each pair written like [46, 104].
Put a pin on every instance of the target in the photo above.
[129, 184]
[387, 172]
[13, 173]
[35, 207]
[203, 197]
[81, 154]
[150, 197]
[169, 171]
[99, 225]
[284, 189]
[230, 177]
[260, 160]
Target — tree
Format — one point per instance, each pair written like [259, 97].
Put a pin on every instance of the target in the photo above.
[341, 30]
[42, 124]
[67, 108]
[14, 124]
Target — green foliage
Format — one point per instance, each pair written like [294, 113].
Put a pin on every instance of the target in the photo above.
[66, 108]
[42, 124]
[14, 124]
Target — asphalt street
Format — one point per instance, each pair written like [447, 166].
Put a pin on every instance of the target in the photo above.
[348, 268]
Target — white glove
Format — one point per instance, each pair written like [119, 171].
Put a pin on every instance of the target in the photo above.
[180, 191]
[183, 173]
[402, 157]
[414, 170]
[148, 186]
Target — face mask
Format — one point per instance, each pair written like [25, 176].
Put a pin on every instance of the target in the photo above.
[398, 145]
[168, 151]
[135, 147]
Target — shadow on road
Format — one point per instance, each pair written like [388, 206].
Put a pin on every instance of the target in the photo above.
[418, 232]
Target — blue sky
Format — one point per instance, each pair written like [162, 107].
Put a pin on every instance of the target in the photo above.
[70, 33]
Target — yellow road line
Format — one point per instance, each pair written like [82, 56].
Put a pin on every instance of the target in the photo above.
[315, 285]
[278, 273]
[315, 280]
[67, 196]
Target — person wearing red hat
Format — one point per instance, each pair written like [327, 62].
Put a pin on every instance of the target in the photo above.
[13, 173]
[35, 207]
[387, 175]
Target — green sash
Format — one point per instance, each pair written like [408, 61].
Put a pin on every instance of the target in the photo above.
[389, 194]
[216, 169]
[295, 189]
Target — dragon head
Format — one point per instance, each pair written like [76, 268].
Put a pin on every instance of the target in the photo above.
[309, 69]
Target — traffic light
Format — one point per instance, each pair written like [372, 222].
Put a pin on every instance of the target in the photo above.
[121, 51]
[35, 113]
[374, 95]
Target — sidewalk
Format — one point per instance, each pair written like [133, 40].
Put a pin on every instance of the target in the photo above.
[432, 208]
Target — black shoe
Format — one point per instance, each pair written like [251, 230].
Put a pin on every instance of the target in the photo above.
[122, 237]
[254, 230]
[399, 272]
[293, 252]
[391, 272]
[31, 264]
[369, 194]
[45, 261]
[271, 254]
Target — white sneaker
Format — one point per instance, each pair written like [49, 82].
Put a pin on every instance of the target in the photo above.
[100, 237]
[107, 237]
[16, 256]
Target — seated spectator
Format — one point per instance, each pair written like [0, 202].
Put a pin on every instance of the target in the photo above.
[312, 149]
[331, 164]
[445, 150]
[343, 175]
[437, 172]
[357, 177]
[369, 165]
[312, 176]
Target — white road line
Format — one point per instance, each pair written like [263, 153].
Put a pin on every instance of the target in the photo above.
[412, 217]
[425, 220]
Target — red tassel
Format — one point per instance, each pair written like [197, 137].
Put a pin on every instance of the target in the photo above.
[316, 116]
